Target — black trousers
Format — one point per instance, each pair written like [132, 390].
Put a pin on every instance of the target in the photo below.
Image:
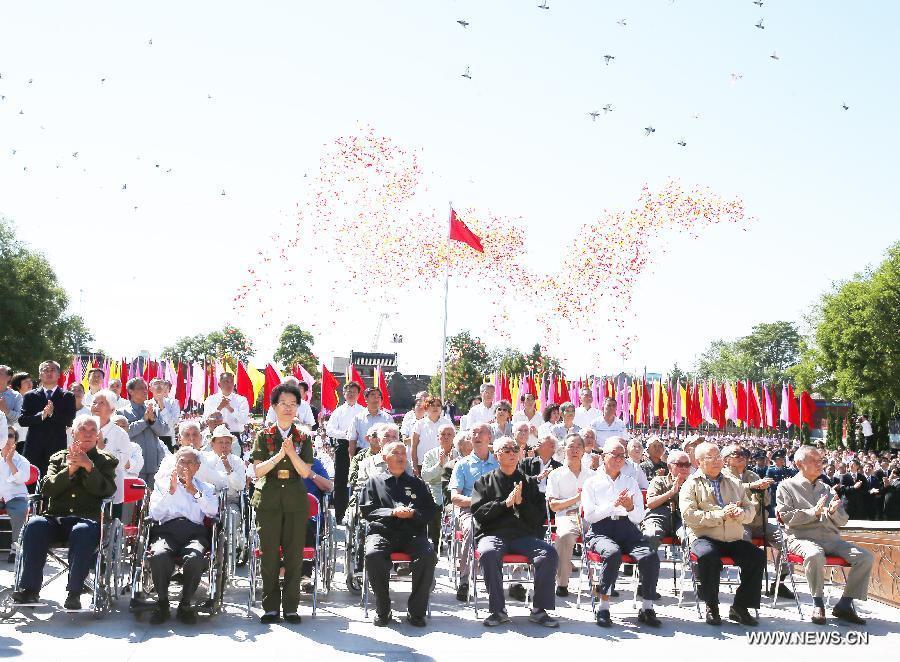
[341, 472]
[378, 567]
[610, 539]
[178, 540]
[747, 556]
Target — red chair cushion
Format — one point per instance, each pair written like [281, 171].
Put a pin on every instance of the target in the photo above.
[726, 560]
[509, 558]
[400, 557]
[130, 531]
[759, 542]
[309, 553]
[669, 540]
[594, 557]
[829, 560]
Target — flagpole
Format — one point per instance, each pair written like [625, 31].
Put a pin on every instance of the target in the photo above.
[444, 340]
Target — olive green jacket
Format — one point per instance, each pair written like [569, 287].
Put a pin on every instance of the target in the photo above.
[287, 494]
[82, 493]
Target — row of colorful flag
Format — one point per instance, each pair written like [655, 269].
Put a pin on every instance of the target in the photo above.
[667, 402]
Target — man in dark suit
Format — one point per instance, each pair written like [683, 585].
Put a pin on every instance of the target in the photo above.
[46, 411]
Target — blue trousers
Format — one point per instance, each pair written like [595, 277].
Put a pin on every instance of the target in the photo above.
[543, 555]
[610, 539]
[83, 536]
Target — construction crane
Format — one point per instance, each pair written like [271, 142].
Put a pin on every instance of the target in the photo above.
[381, 318]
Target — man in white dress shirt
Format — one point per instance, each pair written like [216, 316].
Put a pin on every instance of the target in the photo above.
[564, 486]
[586, 413]
[338, 429]
[95, 383]
[180, 505]
[115, 441]
[614, 507]
[189, 437]
[608, 425]
[530, 414]
[228, 466]
[234, 407]
[484, 411]
[168, 408]
[413, 415]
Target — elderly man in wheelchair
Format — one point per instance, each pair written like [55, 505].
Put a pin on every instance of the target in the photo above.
[233, 473]
[80, 481]
[180, 505]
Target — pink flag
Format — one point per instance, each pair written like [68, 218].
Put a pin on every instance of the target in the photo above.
[106, 373]
[77, 368]
[601, 393]
[770, 407]
[676, 406]
[172, 376]
[785, 400]
[543, 395]
[188, 373]
[309, 379]
[198, 383]
[730, 398]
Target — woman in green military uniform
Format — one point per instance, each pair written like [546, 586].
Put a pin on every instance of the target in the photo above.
[282, 455]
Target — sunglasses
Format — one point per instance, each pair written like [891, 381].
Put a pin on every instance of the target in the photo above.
[508, 449]
[683, 465]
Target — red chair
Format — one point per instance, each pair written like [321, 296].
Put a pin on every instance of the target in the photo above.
[396, 557]
[727, 562]
[509, 561]
[832, 563]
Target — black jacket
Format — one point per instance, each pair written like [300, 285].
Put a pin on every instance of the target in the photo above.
[46, 436]
[531, 466]
[491, 514]
[383, 493]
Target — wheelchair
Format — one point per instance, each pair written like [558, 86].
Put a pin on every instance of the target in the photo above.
[126, 559]
[236, 534]
[101, 584]
[354, 546]
[322, 554]
[216, 578]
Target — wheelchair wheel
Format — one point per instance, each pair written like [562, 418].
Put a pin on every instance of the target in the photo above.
[7, 605]
[354, 583]
[219, 575]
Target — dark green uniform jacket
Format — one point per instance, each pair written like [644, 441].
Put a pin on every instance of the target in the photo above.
[282, 488]
[82, 493]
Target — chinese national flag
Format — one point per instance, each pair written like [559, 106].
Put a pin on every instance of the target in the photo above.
[356, 377]
[329, 390]
[385, 394]
[459, 231]
[793, 411]
[273, 379]
[807, 408]
[180, 386]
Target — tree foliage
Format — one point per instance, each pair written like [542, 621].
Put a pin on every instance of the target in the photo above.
[766, 354]
[857, 336]
[229, 342]
[295, 346]
[513, 361]
[34, 325]
[467, 362]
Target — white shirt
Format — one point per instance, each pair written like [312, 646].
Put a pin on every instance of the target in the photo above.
[171, 412]
[165, 506]
[409, 420]
[634, 470]
[481, 414]
[563, 484]
[12, 483]
[866, 428]
[428, 435]
[117, 443]
[135, 461]
[341, 421]
[235, 420]
[304, 415]
[537, 420]
[236, 480]
[584, 417]
[206, 473]
[600, 492]
[604, 430]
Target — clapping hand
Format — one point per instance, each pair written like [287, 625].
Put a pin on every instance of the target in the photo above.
[6, 453]
[150, 413]
[762, 484]
[733, 510]
[403, 512]
[515, 496]
[287, 448]
[48, 409]
[835, 503]
[625, 500]
[173, 482]
[821, 505]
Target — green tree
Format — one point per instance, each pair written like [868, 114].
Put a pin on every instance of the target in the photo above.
[765, 354]
[229, 342]
[34, 325]
[468, 361]
[295, 346]
[857, 335]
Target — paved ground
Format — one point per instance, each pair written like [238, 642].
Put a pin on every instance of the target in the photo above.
[339, 630]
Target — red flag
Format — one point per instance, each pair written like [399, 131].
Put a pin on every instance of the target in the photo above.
[807, 408]
[645, 403]
[299, 375]
[793, 411]
[329, 390]
[123, 377]
[505, 392]
[754, 417]
[461, 232]
[180, 386]
[740, 395]
[273, 379]
[720, 413]
[385, 394]
[355, 376]
[563, 390]
[211, 378]
[244, 386]
[696, 412]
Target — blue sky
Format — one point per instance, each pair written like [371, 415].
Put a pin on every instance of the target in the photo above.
[287, 77]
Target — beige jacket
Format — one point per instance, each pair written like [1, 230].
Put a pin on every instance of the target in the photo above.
[754, 496]
[703, 515]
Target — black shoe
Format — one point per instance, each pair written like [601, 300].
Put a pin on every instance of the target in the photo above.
[640, 594]
[26, 597]
[712, 615]
[11, 558]
[269, 618]
[306, 584]
[541, 617]
[648, 617]
[742, 615]
[462, 593]
[417, 621]
[496, 619]
[186, 615]
[785, 592]
[562, 591]
[293, 617]
[73, 601]
[614, 593]
[178, 578]
[518, 592]
[848, 615]
[160, 615]
[603, 618]
[382, 621]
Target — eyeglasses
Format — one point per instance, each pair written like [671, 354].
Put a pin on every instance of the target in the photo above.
[616, 456]
[683, 465]
[508, 449]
